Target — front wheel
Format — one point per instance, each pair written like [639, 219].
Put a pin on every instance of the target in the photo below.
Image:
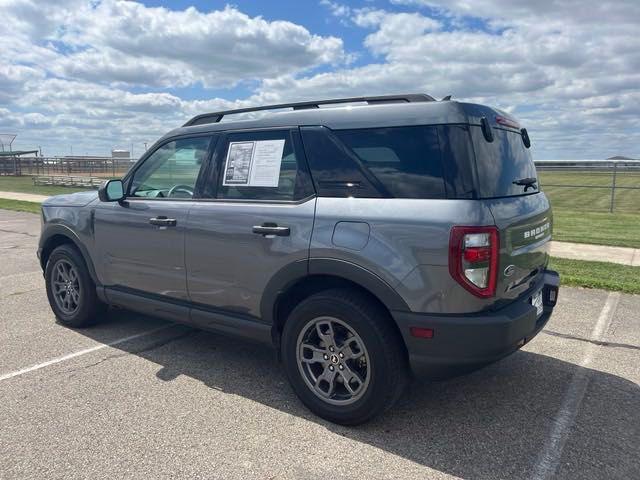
[70, 290]
[343, 357]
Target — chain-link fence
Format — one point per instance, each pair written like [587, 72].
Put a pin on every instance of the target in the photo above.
[604, 186]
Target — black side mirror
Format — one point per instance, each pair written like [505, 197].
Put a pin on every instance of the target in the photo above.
[111, 191]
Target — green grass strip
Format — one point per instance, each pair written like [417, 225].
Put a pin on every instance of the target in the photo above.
[19, 206]
[616, 229]
[603, 275]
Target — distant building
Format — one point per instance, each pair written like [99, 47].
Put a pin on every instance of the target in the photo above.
[118, 153]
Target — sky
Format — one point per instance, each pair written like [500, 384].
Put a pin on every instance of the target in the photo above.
[92, 76]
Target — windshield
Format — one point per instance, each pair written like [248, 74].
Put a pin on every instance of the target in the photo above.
[505, 167]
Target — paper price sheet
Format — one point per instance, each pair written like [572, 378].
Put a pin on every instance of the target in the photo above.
[253, 164]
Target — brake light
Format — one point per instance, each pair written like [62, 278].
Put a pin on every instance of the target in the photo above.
[507, 122]
[473, 259]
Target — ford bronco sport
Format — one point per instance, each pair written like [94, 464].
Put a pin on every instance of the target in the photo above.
[366, 239]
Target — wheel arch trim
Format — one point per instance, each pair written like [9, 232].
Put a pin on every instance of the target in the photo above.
[298, 271]
[59, 229]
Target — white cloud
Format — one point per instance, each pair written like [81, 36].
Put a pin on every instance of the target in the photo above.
[169, 48]
[96, 74]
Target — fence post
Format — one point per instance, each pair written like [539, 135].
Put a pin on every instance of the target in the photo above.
[113, 167]
[613, 186]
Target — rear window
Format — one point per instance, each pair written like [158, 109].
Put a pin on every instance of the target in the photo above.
[406, 161]
[502, 162]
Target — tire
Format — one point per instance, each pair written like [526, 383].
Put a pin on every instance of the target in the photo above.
[83, 308]
[352, 318]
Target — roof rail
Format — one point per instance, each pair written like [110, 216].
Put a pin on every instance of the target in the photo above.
[215, 117]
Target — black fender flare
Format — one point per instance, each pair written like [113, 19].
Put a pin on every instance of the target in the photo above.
[297, 271]
[54, 229]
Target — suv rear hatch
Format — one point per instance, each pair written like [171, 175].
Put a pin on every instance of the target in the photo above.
[507, 184]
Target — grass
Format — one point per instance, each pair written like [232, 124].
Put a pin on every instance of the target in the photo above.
[591, 191]
[581, 214]
[603, 275]
[617, 229]
[19, 206]
[25, 185]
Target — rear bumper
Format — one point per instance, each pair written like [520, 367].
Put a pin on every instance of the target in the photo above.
[464, 342]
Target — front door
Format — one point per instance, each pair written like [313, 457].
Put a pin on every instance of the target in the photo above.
[258, 220]
[140, 241]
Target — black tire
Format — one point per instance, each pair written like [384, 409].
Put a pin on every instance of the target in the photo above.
[89, 309]
[384, 347]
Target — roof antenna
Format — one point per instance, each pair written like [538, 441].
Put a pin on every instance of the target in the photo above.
[447, 98]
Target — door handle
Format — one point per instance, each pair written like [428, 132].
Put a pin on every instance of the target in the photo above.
[271, 229]
[162, 221]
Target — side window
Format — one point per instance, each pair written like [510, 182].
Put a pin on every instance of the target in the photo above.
[261, 166]
[336, 170]
[172, 170]
[405, 160]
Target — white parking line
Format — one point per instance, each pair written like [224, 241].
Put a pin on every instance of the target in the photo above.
[549, 458]
[64, 358]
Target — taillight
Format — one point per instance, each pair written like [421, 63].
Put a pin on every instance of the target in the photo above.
[473, 259]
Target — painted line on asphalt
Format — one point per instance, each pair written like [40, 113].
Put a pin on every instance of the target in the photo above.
[64, 358]
[550, 456]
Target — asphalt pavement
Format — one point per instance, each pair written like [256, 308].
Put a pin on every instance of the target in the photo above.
[137, 397]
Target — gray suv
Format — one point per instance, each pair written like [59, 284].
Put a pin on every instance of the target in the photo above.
[366, 239]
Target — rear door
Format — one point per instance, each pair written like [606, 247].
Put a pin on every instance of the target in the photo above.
[521, 212]
[255, 221]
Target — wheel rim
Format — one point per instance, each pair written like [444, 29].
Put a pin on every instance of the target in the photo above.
[333, 361]
[65, 285]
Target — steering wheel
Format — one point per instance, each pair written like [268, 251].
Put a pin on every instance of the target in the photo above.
[180, 188]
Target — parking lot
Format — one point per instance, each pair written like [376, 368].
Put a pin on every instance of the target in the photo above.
[136, 397]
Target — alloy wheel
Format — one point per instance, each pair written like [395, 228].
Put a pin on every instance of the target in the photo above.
[65, 285]
[333, 360]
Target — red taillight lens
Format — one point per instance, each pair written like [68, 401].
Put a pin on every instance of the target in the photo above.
[477, 254]
[473, 259]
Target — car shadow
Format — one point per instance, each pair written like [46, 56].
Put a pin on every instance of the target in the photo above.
[490, 424]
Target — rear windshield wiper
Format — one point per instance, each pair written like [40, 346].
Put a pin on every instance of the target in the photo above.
[529, 182]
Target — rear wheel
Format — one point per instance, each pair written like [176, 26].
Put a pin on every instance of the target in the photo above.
[70, 290]
[343, 357]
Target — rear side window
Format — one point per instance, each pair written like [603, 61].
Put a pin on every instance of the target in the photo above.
[335, 169]
[406, 161]
[501, 163]
[262, 166]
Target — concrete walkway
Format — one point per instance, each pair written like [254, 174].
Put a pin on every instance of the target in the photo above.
[574, 251]
[600, 253]
[24, 197]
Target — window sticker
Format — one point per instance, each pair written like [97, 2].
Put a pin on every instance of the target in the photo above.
[238, 164]
[254, 164]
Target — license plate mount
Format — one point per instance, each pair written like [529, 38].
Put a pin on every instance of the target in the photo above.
[536, 301]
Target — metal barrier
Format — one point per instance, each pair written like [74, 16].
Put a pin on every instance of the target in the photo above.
[612, 186]
[67, 181]
[91, 166]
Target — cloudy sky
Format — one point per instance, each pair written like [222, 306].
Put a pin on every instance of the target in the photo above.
[102, 74]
